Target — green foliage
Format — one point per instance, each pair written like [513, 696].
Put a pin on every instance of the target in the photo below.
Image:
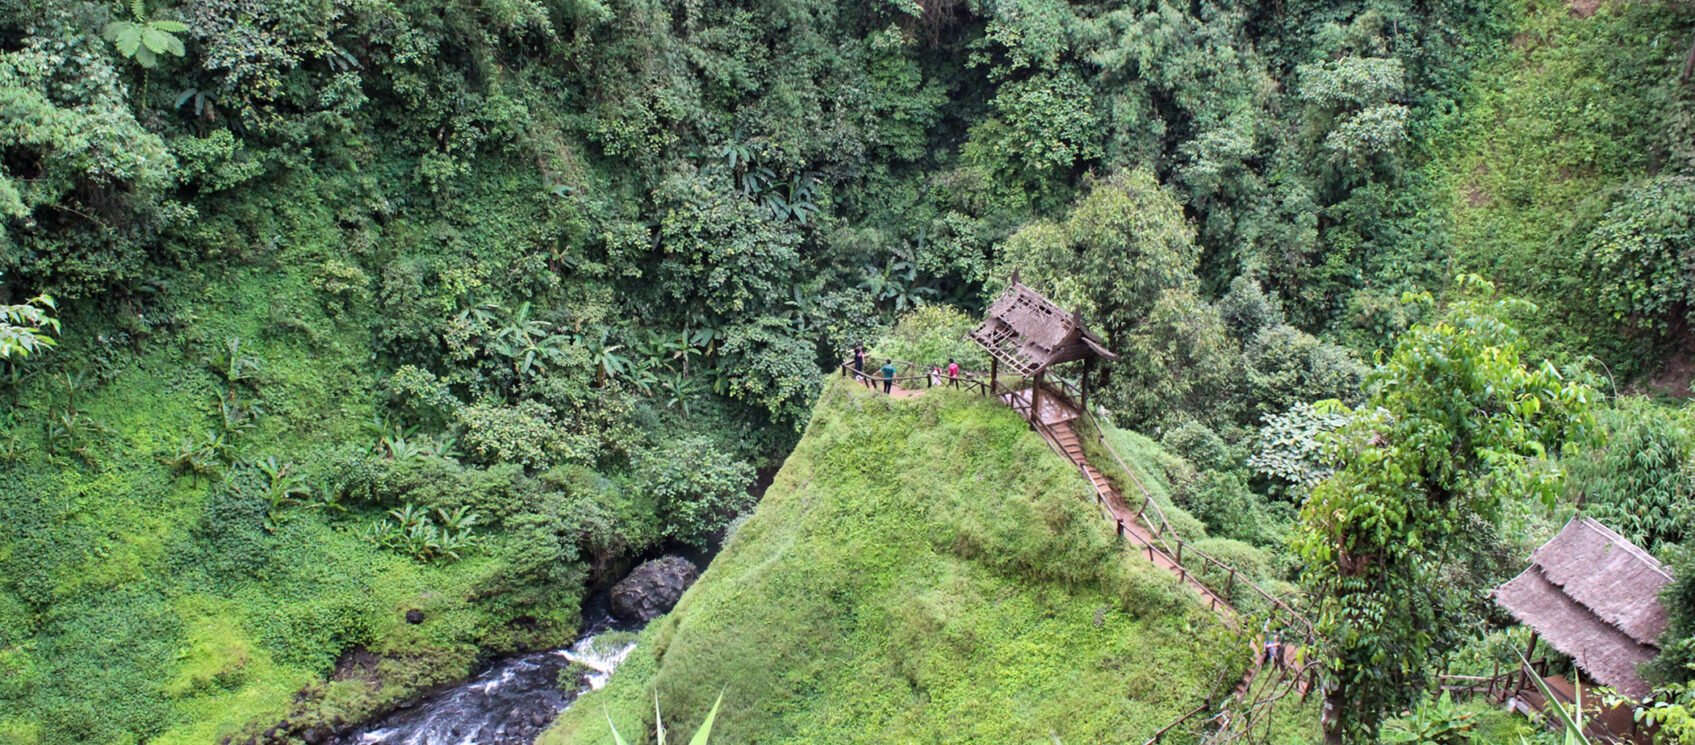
[1570, 129]
[1181, 359]
[1224, 504]
[702, 736]
[1285, 366]
[1456, 424]
[1126, 227]
[1438, 721]
[80, 187]
[931, 570]
[1640, 482]
[932, 335]
[543, 237]
[144, 39]
[1289, 449]
[525, 434]
[1201, 446]
[698, 486]
[1643, 249]
[1672, 711]
[427, 536]
[283, 487]
[1676, 661]
[26, 328]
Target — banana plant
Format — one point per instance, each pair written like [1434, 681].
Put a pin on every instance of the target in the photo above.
[283, 487]
[607, 361]
[679, 390]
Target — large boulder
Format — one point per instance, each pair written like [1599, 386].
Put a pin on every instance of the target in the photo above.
[652, 589]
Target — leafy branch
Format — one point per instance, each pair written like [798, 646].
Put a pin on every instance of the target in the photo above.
[144, 39]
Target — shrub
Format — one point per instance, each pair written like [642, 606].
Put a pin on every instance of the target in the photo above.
[1289, 449]
[1246, 309]
[1642, 252]
[932, 335]
[699, 488]
[1642, 482]
[233, 529]
[1201, 446]
[523, 433]
[1286, 366]
[1222, 501]
[1676, 663]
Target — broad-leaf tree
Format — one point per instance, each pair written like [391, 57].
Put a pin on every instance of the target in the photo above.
[1456, 424]
[143, 39]
[27, 328]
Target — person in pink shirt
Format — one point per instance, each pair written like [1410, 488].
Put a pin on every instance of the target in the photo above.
[953, 373]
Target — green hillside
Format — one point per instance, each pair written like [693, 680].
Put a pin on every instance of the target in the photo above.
[346, 346]
[921, 571]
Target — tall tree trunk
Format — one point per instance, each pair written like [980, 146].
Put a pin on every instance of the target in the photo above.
[1330, 716]
[1688, 64]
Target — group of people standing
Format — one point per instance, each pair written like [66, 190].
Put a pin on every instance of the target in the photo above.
[888, 371]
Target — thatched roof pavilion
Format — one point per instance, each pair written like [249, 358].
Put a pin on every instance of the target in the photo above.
[1595, 597]
[1030, 334]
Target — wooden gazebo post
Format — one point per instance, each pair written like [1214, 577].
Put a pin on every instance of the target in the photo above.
[1036, 400]
[1083, 386]
[994, 369]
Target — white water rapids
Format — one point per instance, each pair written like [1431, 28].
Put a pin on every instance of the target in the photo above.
[508, 704]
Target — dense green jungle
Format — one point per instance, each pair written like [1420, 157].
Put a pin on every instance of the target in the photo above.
[348, 347]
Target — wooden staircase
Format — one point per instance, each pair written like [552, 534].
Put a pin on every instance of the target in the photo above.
[1057, 425]
[1065, 436]
[1062, 434]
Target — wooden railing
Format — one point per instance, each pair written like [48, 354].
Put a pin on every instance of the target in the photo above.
[1242, 715]
[1244, 712]
[910, 372]
[1151, 515]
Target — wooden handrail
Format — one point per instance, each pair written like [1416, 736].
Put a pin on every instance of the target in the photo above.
[967, 379]
[1166, 730]
[1175, 546]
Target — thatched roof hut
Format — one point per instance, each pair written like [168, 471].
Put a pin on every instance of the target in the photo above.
[1595, 597]
[1030, 333]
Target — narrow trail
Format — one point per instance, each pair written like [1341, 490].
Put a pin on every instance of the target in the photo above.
[1244, 713]
[1249, 704]
[1060, 429]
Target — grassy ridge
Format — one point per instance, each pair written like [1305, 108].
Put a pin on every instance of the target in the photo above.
[920, 571]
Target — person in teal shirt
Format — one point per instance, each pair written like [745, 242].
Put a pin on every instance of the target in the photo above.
[888, 376]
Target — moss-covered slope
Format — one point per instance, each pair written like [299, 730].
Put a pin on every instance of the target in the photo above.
[921, 571]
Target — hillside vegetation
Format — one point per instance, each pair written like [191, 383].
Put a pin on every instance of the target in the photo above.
[922, 570]
[347, 344]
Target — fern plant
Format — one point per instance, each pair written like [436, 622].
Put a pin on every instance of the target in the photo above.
[143, 39]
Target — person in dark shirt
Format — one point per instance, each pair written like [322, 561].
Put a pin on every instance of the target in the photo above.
[859, 364]
[888, 376]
